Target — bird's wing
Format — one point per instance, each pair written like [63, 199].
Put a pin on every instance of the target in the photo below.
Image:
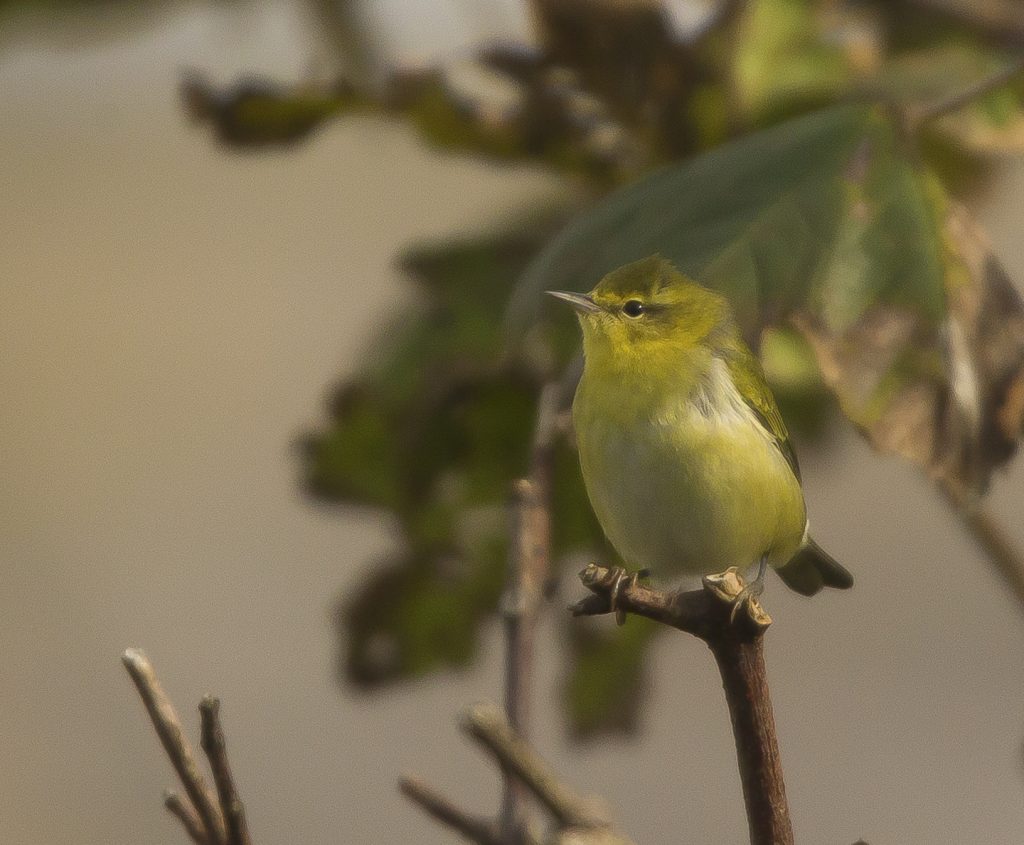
[749, 379]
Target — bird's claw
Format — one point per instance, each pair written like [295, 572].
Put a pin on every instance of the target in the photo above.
[731, 588]
[749, 598]
[620, 578]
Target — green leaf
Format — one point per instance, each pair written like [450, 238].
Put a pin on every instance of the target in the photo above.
[828, 221]
[774, 197]
[782, 60]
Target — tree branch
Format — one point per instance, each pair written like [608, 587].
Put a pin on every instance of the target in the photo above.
[958, 99]
[168, 728]
[484, 723]
[529, 569]
[216, 752]
[577, 820]
[1004, 556]
[739, 653]
[181, 809]
[435, 805]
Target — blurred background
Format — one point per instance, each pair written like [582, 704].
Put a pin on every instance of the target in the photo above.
[178, 314]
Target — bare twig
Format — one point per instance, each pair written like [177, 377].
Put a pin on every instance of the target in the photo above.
[484, 723]
[473, 828]
[577, 820]
[1005, 557]
[739, 654]
[181, 809]
[528, 572]
[958, 99]
[529, 568]
[216, 752]
[168, 728]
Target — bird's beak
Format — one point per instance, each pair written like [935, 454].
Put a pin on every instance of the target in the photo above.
[580, 302]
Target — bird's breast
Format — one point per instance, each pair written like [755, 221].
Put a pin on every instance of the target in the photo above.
[691, 482]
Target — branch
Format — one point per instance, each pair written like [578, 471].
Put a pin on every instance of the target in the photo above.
[739, 653]
[485, 724]
[216, 752]
[473, 828]
[168, 728]
[206, 821]
[1004, 556]
[577, 820]
[529, 569]
[181, 809]
[956, 101]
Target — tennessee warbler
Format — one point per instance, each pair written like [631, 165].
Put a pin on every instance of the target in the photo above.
[684, 453]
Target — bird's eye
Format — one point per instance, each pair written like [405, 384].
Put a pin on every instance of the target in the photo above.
[633, 308]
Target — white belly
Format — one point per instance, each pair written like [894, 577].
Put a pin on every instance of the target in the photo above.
[686, 493]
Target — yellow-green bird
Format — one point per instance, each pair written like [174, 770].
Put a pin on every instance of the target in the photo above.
[684, 453]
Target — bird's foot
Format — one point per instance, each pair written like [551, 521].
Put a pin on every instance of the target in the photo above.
[621, 579]
[730, 587]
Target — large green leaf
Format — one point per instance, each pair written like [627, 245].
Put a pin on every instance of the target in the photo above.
[718, 216]
[829, 221]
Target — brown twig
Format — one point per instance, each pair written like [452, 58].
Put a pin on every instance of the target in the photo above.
[168, 728]
[182, 810]
[738, 651]
[958, 99]
[999, 548]
[577, 820]
[529, 568]
[435, 805]
[528, 572]
[216, 752]
[485, 724]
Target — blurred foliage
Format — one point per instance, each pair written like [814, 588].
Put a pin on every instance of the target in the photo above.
[255, 112]
[607, 683]
[776, 151]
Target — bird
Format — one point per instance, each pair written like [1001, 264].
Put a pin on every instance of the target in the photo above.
[684, 454]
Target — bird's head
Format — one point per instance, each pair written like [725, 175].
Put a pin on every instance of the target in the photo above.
[647, 313]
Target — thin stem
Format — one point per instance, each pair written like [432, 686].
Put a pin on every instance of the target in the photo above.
[529, 568]
[168, 728]
[1005, 557]
[182, 810]
[216, 752]
[968, 95]
[485, 724]
[739, 653]
[473, 828]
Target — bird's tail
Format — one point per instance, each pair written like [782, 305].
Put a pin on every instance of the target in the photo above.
[813, 568]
